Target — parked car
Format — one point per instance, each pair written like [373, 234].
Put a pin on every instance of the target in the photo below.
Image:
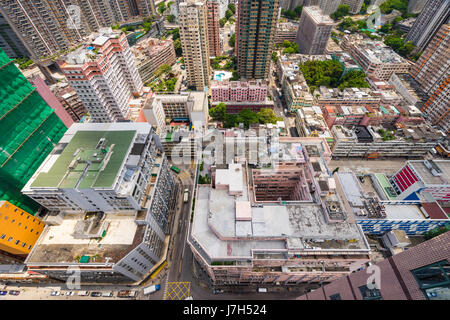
[96, 294]
[217, 291]
[3, 293]
[70, 293]
[83, 293]
[108, 294]
[55, 293]
[14, 292]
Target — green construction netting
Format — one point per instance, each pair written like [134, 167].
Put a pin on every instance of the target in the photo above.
[29, 130]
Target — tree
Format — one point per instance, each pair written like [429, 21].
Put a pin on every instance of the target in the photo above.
[274, 57]
[218, 112]
[175, 34]
[298, 10]
[162, 7]
[406, 49]
[171, 18]
[232, 40]
[394, 42]
[353, 79]
[231, 120]
[165, 68]
[286, 43]
[222, 22]
[177, 47]
[341, 11]
[248, 117]
[266, 115]
[232, 7]
[228, 14]
[322, 73]
[290, 14]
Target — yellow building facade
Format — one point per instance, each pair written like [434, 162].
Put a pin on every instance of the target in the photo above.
[19, 230]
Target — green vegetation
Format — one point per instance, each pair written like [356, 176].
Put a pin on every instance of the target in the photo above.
[202, 165]
[23, 62]
[171, 18]
[169, 4]
[353, 79]
[353, 26]
[164, 69]
[386, 134]
[275, 57]
[330, 74]
[218, 112]
[228, 14]
[165, 81]
[222, 22]
[290, 47]
[235, 76]
[396, 43]
[223, 263]
[232, 40]
[230, 64]
[437, 231]
[246, 116]
[232, 8]
[204, 179]
[292, 14]
[341, 11]
[175, 33]
[161, 7]
[389, 5]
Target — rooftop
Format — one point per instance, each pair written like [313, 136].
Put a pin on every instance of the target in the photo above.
[316, 13]
[58, 245]
[442, 167]
[88, 156]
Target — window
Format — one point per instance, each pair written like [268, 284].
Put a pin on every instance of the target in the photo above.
[370, 294]
[336, 296]
[434, 280]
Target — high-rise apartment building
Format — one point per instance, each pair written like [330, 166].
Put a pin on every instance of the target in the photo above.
[329, 6]
[10, 42]
[43, 25]
[256, 25]
[432, 72]
[214, 28]
[195, 43]
[29, 129]
[124, 10]
[355, 5]
[433, 16]
[104, 75]
[314, 31]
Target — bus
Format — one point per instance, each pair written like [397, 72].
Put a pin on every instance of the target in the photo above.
[175, 169]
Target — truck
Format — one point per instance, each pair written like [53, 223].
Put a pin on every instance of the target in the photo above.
[186, 195]
[152, 289]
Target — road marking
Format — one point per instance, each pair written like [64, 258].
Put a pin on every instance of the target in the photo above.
[177, 290]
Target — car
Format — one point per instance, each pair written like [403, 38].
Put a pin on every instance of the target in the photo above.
[96, 294]
[361, 178]
[55, 293]
[14, 292]
[70, 293]
[3, 293]
[108, 294]
[217, 291]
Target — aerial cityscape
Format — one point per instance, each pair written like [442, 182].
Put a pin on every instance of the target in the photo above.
[240, 150]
